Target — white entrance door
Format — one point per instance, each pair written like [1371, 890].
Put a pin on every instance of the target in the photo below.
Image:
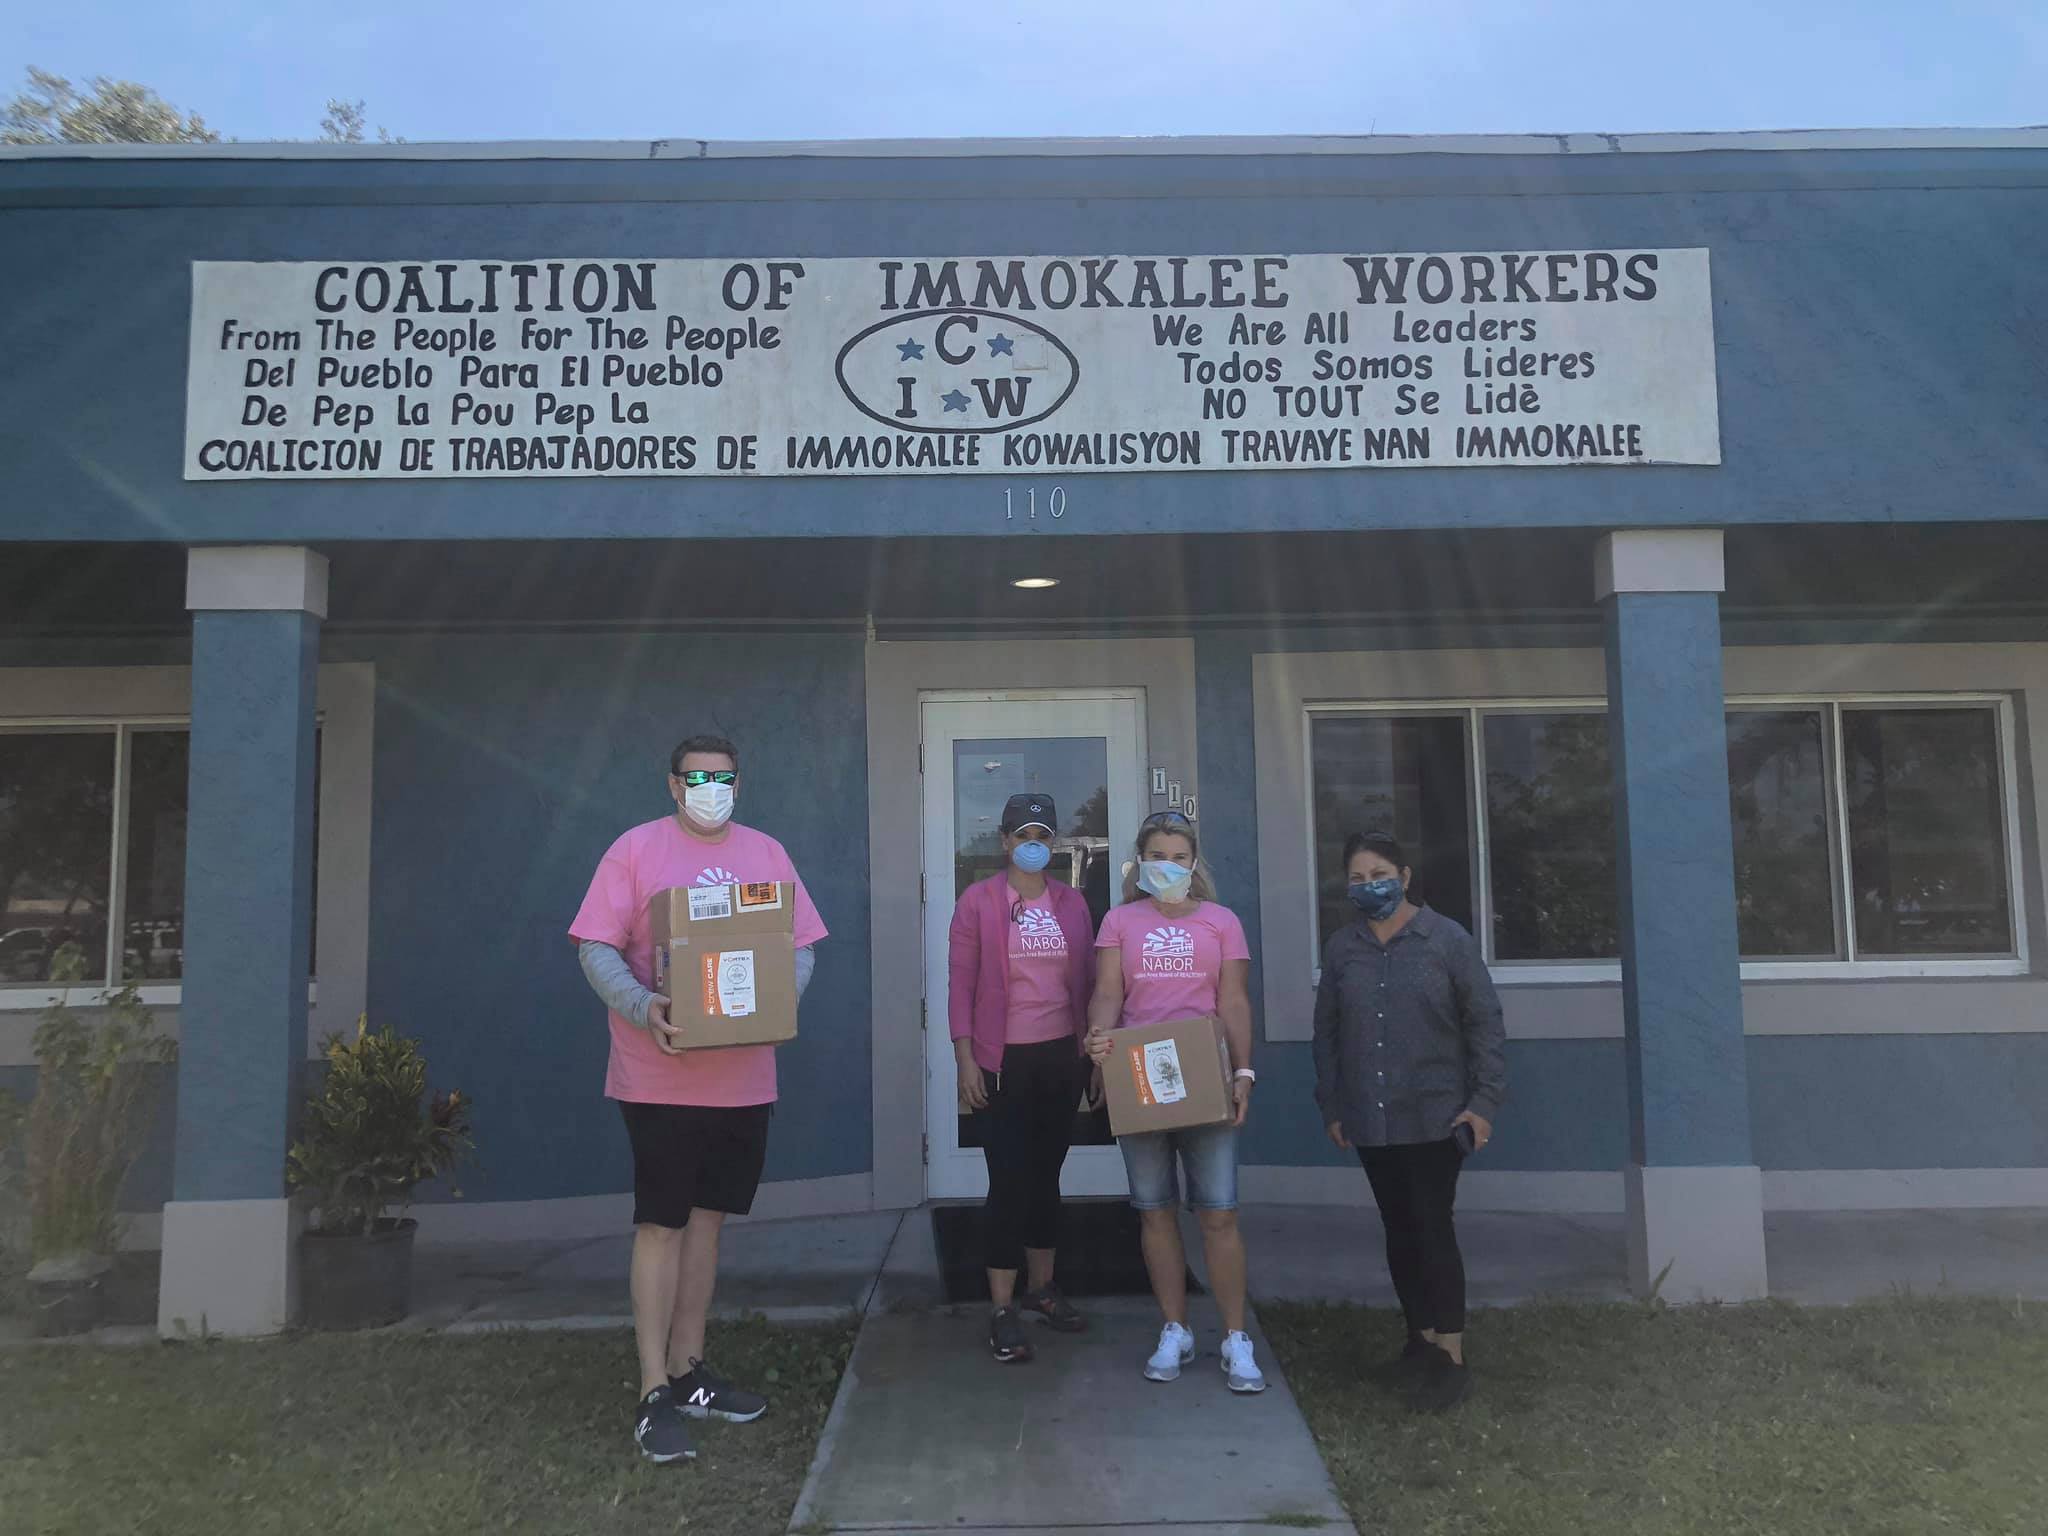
[1082, 749]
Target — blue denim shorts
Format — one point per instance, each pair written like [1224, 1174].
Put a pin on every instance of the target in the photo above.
[1206, 1153]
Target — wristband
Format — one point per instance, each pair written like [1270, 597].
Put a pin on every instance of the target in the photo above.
[1246, 1073]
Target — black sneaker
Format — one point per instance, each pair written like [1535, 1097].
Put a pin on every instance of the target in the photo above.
[1054, 1310]
[1006, 1337]
[659, 1431]
[1440, 1384]
[1407, 1366]
[703, 1394]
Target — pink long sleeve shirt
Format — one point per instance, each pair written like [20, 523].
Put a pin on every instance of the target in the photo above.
[981, 955]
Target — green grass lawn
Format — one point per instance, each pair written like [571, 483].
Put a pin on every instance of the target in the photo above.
[396, 1433]
[1909, 1416]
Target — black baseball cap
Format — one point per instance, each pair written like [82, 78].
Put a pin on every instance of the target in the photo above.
[1029, 811]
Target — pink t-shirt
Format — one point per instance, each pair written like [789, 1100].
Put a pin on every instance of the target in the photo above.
[646, 861]
[1040, 1006]
[1171, 965]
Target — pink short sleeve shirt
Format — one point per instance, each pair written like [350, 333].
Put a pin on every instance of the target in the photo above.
[650, 859]
[1172, 966]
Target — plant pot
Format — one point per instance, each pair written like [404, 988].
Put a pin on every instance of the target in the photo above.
[69, 1295]
[354, 1279]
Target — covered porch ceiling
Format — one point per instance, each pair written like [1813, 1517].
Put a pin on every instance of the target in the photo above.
[1909, 578]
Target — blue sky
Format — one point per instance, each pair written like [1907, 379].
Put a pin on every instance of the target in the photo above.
[862, 68]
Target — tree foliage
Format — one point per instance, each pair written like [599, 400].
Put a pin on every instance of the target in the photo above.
[345, 122]
[54, 111]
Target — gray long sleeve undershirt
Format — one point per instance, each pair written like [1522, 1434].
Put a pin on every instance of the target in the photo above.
[613, 981]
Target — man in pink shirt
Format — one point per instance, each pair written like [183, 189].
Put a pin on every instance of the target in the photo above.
[697, 1120]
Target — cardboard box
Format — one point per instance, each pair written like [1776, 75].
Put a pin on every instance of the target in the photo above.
[725, 958]
[1168, 1077]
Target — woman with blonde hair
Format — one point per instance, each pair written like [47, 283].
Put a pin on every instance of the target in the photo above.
[1181, 954]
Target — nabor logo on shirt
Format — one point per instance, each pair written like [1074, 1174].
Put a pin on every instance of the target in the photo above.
[1167, 951]
[715, 875]
[1041, 932]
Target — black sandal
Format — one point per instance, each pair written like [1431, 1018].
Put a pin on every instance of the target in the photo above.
[1006, 1339]
[1054, 1310]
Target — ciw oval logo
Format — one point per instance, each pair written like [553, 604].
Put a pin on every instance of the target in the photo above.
[717, 875]
[957, 370]
[1169, 941]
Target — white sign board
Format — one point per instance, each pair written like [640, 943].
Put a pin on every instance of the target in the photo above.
[906, 366]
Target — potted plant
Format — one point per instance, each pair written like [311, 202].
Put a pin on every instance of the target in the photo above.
[370, 1137]
[80, 1135]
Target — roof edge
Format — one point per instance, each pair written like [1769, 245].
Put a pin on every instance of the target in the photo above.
[1365, 145]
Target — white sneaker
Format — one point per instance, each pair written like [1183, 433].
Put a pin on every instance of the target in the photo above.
[1176, 1349]
[1240, 1371]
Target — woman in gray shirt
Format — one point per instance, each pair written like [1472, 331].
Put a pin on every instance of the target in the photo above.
[1410, 1071]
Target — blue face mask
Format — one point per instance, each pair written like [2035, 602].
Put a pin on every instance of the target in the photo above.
[1031, 857]
[1377, 899]
[1164, 879]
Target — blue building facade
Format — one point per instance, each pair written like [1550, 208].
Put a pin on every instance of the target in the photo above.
[1734, 763]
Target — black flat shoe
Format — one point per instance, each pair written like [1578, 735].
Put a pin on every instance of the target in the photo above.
[1408, 1366]
[1440, 1385]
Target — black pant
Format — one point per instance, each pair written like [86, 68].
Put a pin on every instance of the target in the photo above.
[1026, 1128]
[1416, 1186]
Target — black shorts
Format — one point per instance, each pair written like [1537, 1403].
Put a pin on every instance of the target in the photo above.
[689, 1157]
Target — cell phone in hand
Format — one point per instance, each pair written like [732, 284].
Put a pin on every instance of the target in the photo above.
[1461, 1133]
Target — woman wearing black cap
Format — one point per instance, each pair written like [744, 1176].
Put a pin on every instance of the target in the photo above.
[1410, 1071]
[1020, 969]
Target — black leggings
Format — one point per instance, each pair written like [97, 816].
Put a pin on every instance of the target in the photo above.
[1416, 1186]
[1026, 1128]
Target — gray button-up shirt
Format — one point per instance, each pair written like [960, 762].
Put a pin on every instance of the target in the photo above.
[1408, 1033]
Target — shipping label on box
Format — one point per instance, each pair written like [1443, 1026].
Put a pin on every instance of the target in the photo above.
[1162, 1081]
[725, 958]
[729, 983]
[710, 902]
[1168, 1077]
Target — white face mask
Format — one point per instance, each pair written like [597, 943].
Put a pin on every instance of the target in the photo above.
[709, 805]
[1164, 879]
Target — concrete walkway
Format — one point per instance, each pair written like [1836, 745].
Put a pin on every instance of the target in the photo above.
[794, 1271]
[929, 1433]
[813, 1268]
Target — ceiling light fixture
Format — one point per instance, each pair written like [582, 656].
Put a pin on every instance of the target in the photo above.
[1035, 583]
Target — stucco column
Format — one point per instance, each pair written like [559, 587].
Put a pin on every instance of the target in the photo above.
[229, 1234]
[1695, 1196]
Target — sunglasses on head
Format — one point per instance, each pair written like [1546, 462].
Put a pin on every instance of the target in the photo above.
[1166, 819]
[697, 778]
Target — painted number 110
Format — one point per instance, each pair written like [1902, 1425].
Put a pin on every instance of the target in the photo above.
[1056, 503]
